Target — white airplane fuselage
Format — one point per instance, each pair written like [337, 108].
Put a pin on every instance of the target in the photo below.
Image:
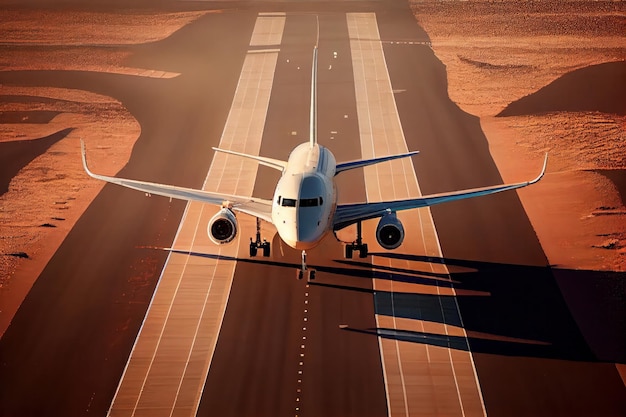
[305, 198]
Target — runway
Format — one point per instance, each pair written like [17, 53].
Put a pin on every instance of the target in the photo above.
[464, 319]
[178, 336]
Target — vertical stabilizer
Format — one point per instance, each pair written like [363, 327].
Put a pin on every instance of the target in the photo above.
[313, 127]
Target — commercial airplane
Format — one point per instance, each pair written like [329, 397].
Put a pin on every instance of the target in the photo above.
[304, 208]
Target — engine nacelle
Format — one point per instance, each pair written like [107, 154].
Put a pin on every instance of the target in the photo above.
[390, 232]
[222, 227]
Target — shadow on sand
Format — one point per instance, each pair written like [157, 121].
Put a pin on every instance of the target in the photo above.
[595, 88]
[15, 155]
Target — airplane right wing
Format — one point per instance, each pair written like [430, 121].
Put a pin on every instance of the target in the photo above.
[347, 214]
[256, 207]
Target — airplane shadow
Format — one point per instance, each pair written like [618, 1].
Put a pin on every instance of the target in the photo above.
[509, 310]
[528, 310]
[478, 344]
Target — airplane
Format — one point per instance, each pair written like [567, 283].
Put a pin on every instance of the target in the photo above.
[304, 208]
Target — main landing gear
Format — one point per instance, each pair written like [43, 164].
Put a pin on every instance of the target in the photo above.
[304, 270]
[256, 245]
[357, 245]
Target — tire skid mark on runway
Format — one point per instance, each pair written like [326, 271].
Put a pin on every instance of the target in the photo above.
[418, 378]
[169, 363]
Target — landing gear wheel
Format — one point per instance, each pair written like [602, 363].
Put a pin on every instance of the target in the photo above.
[357, 245]
[310, 273]
[255, 245]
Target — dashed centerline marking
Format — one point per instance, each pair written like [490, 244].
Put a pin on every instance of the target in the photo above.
[305, 319]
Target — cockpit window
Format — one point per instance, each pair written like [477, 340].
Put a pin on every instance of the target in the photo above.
[288, 202]
[309, 202]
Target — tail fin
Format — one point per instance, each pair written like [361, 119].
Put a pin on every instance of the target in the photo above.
[313, 127]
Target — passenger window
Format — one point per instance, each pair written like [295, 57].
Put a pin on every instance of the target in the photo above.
[308, 202]
[289, 202]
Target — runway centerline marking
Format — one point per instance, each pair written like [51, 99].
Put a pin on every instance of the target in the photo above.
[187, 309]
[431, 369]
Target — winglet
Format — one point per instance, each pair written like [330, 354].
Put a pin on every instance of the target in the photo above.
[543, 170]
[113, 180]
[84, 155]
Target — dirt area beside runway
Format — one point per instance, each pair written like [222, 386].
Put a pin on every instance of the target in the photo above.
[530, 71]
[40, 128]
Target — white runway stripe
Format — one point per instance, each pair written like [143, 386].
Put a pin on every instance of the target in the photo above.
[420, 379]
[170, 360]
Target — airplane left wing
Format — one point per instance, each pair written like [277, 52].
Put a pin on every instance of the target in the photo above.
[347, 214]
[249, 205]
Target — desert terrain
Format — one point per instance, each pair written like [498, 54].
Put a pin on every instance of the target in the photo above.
[499, 53]
[495, 54]
[43, 188]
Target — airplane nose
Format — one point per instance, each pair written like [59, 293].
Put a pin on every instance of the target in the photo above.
[302, 232]
[298, 240]
[290, 239]
[305, 242]
[307, 233]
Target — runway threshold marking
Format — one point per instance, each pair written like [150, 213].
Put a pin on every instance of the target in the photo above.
[420, 379]
[169, 363]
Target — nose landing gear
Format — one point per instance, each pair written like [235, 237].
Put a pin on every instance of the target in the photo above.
[304, 270]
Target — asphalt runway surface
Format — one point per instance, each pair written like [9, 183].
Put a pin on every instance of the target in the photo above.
[67, 347]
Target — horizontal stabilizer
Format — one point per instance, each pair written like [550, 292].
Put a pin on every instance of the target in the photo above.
[269, 162]
[364, 162]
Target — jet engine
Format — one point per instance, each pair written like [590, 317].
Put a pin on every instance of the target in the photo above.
[222, 227]
[389, 231]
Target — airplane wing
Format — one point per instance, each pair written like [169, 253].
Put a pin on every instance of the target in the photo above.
[347, 214]
[249, 205]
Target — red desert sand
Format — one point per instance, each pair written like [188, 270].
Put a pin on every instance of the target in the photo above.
[495, 54]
